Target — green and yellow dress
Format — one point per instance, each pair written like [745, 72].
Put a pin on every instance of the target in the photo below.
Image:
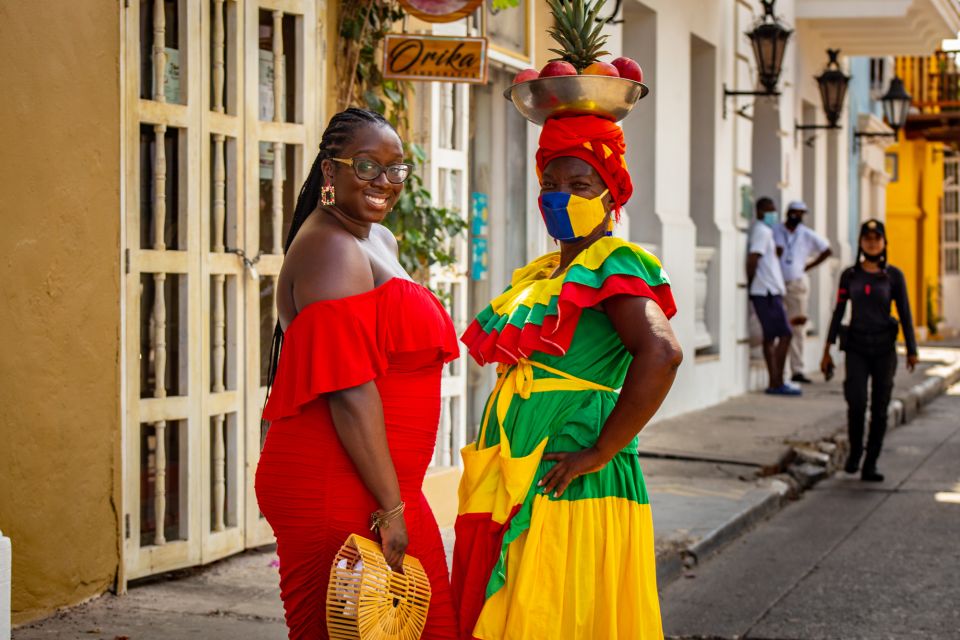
[528, 565]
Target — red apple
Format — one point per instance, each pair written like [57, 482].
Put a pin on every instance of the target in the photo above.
[526, 74]
[558, 68]
[629, 69]
[601, 69]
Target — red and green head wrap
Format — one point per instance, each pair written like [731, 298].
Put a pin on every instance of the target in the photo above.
[596, 141]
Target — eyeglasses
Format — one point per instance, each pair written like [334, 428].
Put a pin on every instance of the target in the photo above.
[370, 170]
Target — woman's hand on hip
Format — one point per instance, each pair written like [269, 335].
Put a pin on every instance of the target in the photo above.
[394, 540]
[568, 467]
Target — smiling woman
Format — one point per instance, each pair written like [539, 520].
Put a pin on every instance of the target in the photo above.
[355, 398]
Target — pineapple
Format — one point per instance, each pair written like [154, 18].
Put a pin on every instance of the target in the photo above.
[578, 31]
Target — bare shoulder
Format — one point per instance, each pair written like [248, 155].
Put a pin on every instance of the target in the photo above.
[386, 237]
[325, 262]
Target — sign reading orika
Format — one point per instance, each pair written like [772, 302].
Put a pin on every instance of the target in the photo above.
[422, 57]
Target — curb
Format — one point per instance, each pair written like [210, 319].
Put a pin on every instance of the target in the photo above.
[903, 408]
[749, 516]
[671, 564]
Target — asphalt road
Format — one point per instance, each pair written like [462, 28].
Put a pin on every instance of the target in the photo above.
[849, 559]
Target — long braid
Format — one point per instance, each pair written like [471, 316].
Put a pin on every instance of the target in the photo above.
[336, 136]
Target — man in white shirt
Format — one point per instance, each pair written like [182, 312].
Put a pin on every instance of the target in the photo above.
[767, 289]
[796, 244]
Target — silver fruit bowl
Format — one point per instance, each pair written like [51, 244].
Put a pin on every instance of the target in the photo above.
[559, 96]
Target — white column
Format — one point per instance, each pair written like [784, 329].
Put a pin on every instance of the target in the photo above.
[6, 574]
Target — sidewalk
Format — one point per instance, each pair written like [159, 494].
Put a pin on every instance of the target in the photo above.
[711, 475]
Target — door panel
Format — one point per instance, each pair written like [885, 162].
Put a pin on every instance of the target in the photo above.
[214, 144]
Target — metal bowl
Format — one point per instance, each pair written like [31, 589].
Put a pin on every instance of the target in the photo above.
[559, 96]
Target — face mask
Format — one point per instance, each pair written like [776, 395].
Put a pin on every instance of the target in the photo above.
[793, 221]
[875, 257]
[770, 218]
[569, 217]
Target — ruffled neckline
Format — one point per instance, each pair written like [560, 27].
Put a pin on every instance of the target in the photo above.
[540, 313]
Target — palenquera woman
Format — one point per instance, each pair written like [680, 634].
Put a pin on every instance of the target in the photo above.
[554, 537]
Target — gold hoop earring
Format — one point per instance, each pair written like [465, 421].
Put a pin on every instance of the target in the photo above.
[327, 195]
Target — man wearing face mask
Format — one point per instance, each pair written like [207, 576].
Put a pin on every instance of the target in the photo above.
[767, 289]
[796, 244]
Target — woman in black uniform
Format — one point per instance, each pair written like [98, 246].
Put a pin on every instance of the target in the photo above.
[871, 285]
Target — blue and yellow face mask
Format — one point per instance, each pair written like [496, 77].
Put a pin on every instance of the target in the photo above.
[569, 217]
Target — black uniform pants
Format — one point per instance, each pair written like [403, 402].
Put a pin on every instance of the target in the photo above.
[880, 369]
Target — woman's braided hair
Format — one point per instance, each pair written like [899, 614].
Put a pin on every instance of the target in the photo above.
[338, 134]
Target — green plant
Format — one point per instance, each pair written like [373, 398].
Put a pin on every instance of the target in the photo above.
[423, 230]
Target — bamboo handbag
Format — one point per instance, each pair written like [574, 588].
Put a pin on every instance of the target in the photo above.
[366, 600]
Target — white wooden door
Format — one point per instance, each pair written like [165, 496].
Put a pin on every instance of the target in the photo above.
[447, 153]
[221, 114]
[949, 294]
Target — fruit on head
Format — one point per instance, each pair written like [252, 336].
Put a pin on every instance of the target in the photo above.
[577, 31]
[526, 74]
[558, 68]
[601, 69]
[628, 68]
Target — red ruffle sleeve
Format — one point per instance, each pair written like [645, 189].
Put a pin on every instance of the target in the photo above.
[330, 345]
[339, 344]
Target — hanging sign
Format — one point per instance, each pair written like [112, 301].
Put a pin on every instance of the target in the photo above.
[423, 57]
[440, 10]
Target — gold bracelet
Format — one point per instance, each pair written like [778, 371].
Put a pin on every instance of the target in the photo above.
[381, 519]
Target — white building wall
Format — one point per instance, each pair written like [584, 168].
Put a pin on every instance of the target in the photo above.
[659, 148]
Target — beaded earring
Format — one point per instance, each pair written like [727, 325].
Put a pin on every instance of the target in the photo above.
[327, 195]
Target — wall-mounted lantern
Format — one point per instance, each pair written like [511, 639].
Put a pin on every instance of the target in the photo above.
[769, 39]
[833, 90]
[896, 106]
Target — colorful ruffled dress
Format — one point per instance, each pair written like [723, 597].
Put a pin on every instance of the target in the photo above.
[399, 336]
[528, 565]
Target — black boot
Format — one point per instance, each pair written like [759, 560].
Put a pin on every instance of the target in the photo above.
[853, 460]
[870, 474]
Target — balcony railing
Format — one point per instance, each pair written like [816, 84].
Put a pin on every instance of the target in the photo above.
[933, 81]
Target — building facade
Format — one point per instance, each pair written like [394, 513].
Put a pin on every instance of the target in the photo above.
[146, 224]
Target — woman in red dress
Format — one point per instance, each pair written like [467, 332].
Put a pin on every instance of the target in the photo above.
[355, 398]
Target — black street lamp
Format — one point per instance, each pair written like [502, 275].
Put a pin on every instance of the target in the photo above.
[833, 90]
[896, 106]
[769, 39]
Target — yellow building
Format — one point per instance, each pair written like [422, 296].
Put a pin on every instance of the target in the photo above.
[922, 204]
[914, 197]
[143, 142]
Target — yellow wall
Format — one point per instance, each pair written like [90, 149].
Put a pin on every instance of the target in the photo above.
[542, 42]
[60, 319]
[913, 220]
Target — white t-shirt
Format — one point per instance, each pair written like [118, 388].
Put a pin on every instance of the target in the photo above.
[798, 246]
[768, 279]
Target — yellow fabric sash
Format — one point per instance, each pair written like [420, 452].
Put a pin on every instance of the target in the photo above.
[518, 380]
[493, 480]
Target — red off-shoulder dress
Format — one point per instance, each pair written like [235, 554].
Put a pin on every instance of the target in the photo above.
[399, 336]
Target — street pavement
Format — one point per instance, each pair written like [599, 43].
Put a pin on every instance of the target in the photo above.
[850, 560]
[712, 474]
